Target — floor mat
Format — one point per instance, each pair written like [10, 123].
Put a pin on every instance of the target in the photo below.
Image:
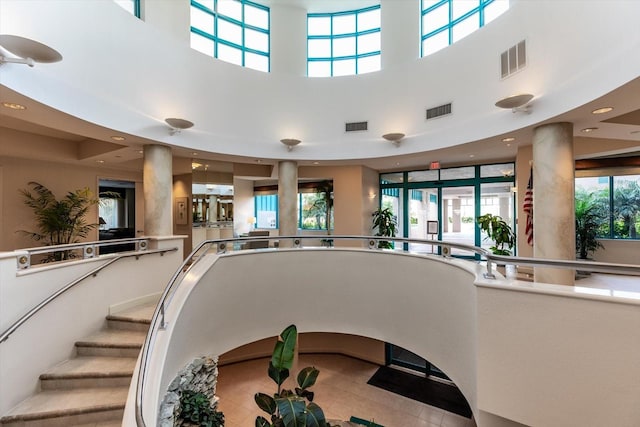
[422, 389]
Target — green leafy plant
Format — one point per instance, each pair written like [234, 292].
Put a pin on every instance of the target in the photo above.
[385, 224]
[59, 221]
[499, 232]
[590, 216]
[195, 408]
[289, 408]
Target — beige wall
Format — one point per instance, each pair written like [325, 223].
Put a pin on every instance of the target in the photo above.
[59, 178]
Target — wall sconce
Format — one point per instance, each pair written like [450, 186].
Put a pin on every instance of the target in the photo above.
[27, 51]
[251, 221]
[517, 103]
[290, 142]
[372, 195]
[177, 125]
[394, 137]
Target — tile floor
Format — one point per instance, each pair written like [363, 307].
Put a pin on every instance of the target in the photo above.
[341, 391]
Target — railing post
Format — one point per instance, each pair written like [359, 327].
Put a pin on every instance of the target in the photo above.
[489, 274]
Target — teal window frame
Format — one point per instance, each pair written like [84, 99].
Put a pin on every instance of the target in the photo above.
[135, 10]
[479, 9]
[331, 37]
[213, 35]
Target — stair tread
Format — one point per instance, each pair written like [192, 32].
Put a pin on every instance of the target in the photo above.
[52, 403]
[114, 338]
[139, 313]
[92, 367]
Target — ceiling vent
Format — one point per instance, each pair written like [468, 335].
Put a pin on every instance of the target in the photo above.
[356, 126]
[439, 111]
[513, 59]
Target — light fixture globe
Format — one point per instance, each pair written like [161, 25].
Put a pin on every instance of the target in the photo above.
[290, 142]
[28, 51]
[176, 125]
[394, 137]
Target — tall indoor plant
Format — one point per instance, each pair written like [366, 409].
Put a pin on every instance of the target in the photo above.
[590, 216]
[61, 221]
[499, 232]
[385, 224]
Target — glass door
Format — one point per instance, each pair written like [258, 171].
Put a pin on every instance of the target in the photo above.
[458, 217]
[423, 218]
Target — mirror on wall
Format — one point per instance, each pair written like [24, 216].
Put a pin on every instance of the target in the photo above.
[212, 203]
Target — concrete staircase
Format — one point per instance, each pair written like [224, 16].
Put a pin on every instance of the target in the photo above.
[90, 389]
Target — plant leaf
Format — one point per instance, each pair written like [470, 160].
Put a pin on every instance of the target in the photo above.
[314, 416]
[277, 375]
[283, 352]
[262, 422]
[292, 411]
[307, 377]
[266, 403]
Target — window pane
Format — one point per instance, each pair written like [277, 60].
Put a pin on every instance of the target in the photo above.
[458, 173]
[592, 198]
[314, 213]
[435, 19]
[392, 178]
[319, 26]
[229, 32]
[460, 7]
[426, 4]
[344, 46]
[345, 67]
[202, 44]
[256, 40]
[435, 43]
[257, 62]
[369, 20]
[256, 17]
[505, 169]
[344, 24]
[466, 27]
[495, 9]
[319, 48]
[496, 198]
[319, 69]
[230, 8]
[626, 206]
[369, 43]
[202, 20]
[229, 54]
[421, 176]
[368, 64]
[127, 5]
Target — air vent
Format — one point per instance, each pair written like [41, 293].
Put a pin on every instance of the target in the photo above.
[355, 126]
[441, 110]
[513, 59]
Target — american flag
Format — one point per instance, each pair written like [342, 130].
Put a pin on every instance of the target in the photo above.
[527, 206]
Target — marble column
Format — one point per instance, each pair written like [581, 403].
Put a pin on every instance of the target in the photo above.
[553, 200]
[287, 200]
[157, 180]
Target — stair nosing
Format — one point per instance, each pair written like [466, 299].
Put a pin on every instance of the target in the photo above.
[85, 375]
[128, 319]
[100, 344]
[61, 413]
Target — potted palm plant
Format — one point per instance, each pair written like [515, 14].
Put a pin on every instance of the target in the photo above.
[385, 224]
[590, 215]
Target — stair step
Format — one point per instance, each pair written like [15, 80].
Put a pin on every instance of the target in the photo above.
[136, 318]
[113, 343]
[68, 407]
[89, 372]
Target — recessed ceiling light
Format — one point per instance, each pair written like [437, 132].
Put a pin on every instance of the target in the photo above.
[100, 161]
[14, 106]
[194, 154]
[118, 138]
[140, 151]
[316, 163]
[397, 163]
[587, 130]
[602, 110]
[472, 155]
[259, 161]
[508, 139]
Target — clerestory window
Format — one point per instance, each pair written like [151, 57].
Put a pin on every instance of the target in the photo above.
[343, 43]
[444, 22]
[235, 31]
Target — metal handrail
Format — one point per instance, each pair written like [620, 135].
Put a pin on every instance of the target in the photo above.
[88, 248]
[159, 320]
[7, 333]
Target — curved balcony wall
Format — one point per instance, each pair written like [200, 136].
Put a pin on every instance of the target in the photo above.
[128, 75]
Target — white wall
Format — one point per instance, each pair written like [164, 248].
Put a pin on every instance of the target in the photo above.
[72, 316]
[562, 71]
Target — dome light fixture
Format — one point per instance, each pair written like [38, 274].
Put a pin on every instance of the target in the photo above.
[516, 103]
[27, 51]
[602, 110]
[177, 125]
[394, 137]
[290, 142]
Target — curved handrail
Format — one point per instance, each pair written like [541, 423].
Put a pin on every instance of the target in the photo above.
[11, 329]
[158, 318]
